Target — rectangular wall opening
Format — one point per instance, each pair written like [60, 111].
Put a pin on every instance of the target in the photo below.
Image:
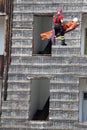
[39, 99]
[42, 24]
[2, 43]
[83, 100]
[85, 48]
[84, 34]
[2, 34]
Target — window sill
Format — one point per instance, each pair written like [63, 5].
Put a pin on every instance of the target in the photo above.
[41, 54]
[81, 124]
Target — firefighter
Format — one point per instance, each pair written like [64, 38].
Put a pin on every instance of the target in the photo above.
[58, 23]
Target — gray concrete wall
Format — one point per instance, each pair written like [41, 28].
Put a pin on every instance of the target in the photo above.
[63, 67]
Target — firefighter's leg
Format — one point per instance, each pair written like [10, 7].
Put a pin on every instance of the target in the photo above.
[63, 38]
[57, 29]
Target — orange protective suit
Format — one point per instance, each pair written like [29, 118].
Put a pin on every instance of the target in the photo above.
[70, 25]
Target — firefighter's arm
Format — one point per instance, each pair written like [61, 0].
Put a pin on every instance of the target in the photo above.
[62, 22]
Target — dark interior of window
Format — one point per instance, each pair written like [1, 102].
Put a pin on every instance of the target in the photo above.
[42, 24]
[39, 100]
[85, 96]
[85, 48]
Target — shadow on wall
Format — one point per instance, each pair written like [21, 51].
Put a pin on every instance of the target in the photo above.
[47, 49]
[42, 114]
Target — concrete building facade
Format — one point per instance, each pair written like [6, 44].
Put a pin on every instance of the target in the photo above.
[44, 86]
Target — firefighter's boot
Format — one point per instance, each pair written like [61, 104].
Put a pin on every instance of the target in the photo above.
[63, 41]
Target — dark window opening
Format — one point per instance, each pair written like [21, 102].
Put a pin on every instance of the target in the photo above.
[2, 5]
[2, 43]
[39, 101]
[85, 96]
[1, 65]
[85, 48]
[42, 24]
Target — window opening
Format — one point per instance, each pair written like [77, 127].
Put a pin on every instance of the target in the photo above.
[2, 5]
[85, 96]
[39, 99]
[85, 48]
[42, 24]
[83, 100]
[84, 107]
[84, 34]
[2, 41]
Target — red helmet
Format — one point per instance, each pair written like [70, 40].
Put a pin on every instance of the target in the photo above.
[59, 11]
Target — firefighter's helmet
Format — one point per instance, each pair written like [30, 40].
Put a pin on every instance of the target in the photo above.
[59, 11]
